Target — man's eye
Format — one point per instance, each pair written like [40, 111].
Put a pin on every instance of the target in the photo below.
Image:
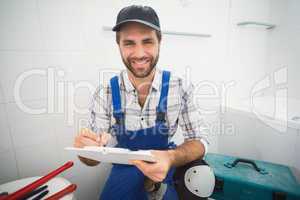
[128, 44]
[148, 42]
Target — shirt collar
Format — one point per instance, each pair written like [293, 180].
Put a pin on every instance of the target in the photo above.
[129, 86]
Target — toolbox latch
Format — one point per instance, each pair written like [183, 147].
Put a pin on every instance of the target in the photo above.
[279, 196]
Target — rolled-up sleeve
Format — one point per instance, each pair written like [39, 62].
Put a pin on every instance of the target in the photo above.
[100, 113]
[190, 119]
[99, 119]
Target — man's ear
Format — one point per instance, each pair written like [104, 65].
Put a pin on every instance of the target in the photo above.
[120, 51]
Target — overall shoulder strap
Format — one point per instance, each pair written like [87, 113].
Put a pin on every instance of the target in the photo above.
[163, 100]
[116, 97]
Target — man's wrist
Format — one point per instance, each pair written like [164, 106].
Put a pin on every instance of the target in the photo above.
[171, 157]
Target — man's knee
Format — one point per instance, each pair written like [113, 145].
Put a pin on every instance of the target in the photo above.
[194, 180]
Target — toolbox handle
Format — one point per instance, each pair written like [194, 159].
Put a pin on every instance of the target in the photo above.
[260, 170]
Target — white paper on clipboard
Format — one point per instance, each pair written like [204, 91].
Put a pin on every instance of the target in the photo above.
[112, 155]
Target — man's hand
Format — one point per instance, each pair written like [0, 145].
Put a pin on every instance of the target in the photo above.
[157, 171]
[87, 137]
[181, 155]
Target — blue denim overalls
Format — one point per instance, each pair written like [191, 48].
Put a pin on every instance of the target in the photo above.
[126, 182]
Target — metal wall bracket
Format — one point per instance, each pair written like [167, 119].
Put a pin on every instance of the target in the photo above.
[267, 25]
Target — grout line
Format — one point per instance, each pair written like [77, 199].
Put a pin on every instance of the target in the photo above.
[38, 10]
[6, 150]
[45, 50]
[24, 101]
[10, 133]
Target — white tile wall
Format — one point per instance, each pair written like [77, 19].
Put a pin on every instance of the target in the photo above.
[244, 139]
[78, 69]
[2, 96]
[17, 65]
[256, 10]
[20, 26]
[62, 25]
[296, 162]
[282, 144]
[30, 129]
[5, 142]
[37, 160]
[65, 134]
[249, 43]
[8, 167]
[196, 53]
[212, 125]
[284, 43]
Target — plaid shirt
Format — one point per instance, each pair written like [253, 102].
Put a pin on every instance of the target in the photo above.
[181, 108]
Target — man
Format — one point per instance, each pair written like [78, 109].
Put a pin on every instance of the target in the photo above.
[141, 109]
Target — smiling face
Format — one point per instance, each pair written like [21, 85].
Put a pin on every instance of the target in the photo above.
[139, 48]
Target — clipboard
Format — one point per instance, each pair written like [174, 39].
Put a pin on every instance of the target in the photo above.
[113, 155]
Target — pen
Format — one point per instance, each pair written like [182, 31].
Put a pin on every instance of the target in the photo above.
[34, 192]
[40, 196]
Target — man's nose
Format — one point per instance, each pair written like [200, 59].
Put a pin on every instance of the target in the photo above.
[139, 51]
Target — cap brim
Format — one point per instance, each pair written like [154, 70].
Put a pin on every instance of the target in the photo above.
[117, 26]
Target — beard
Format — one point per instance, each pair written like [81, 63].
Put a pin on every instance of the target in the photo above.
[141, 73]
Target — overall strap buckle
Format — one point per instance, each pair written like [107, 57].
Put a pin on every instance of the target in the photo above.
[161, 116]
[116, 101]
[119, 117]
[163, 99]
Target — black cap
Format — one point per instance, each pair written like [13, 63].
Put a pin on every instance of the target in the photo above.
[141, 14]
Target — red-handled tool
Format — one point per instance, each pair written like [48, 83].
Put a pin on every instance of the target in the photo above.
[67, 190]
[28, 188]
